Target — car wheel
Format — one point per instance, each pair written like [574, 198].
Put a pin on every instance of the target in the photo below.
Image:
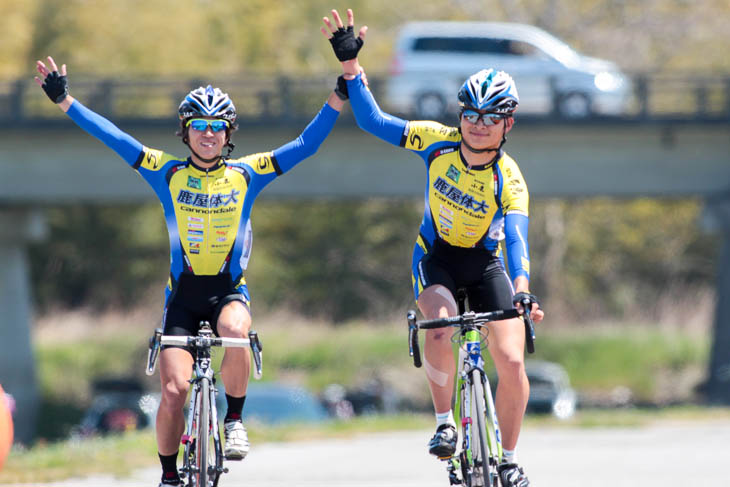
[575, 105]
[430, 106]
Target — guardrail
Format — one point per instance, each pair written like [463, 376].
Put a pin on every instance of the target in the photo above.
[287, 101]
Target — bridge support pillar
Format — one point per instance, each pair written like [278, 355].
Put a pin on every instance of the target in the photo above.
[17, 363]
[718, 385]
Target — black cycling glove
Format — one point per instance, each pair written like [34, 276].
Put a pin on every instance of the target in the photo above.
[345, 44]
[519, 297]
[55, 86]
[341, 88]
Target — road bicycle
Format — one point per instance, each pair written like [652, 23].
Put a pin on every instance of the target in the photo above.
[203, 455]
[475, 463]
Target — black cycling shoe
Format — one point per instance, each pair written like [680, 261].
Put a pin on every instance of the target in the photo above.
[443, 443]
[510, 475]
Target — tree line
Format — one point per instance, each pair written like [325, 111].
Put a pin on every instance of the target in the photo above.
[350, 259]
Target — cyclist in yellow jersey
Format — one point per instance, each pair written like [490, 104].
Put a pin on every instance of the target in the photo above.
[207, 200]
[475, 197]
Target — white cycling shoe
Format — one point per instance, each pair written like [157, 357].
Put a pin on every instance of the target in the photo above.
[237, 445]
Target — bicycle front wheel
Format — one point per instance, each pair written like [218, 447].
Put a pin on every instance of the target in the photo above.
[481, 470]
[202, 433]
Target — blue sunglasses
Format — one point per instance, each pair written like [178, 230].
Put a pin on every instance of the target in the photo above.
[472, 116]
[201, 124]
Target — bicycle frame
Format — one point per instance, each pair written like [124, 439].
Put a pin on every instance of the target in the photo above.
[200, 465]
[467, 407]
[203, 455]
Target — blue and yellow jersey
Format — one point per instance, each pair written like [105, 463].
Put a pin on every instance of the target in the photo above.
[469, 207]
[207, 211]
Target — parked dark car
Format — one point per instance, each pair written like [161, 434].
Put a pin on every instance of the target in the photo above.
[550, 390]
[119, 405]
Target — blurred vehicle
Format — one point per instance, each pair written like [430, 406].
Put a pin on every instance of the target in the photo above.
[119, 405]
[372, 396]
[432, 60]
[550, 390]
[275, 403]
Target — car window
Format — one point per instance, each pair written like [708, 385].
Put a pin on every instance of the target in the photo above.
[466, 45]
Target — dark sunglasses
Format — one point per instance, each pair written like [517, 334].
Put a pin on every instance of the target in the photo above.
[201, 124]
[472, 116]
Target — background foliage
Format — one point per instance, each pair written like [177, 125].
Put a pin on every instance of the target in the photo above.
[341, 259]
[204, 37]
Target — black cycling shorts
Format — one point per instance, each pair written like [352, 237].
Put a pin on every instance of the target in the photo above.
[196, 299]
[477, 271]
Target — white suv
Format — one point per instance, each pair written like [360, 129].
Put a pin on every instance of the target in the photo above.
[433, 59]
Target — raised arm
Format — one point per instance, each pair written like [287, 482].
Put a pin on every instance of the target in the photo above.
[367, 113]
[292, 153]
[55, 85]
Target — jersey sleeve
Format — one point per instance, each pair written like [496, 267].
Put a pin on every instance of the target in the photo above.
[420, 135]
[515, 240]
[370, 117]
[294, 152]
[120, 142]
[515, 204]
[514, 196]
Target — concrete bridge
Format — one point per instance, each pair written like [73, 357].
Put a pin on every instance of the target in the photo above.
[49, 161]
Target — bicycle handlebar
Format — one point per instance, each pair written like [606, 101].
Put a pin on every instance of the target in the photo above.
[158, 340]
[469, 318]
[204, 342]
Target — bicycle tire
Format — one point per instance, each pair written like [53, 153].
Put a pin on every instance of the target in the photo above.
[481, 414]
[216, 450]
[201, 450]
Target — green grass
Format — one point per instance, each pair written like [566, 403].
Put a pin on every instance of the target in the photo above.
[114, 455]
[622, 356]
[597, 360]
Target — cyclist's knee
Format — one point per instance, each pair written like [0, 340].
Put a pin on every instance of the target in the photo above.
[511, 369]
[234, 320]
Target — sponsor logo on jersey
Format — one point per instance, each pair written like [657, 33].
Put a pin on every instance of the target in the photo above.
[446, 223]
[195, 232]
[204, 200]
[464, 200]
[194, 183]
[416, 141]
[198, 226]
[453, 173]
[195, 219]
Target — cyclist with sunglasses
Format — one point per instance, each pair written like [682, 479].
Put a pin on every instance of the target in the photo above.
[475, 197]
[207, 199]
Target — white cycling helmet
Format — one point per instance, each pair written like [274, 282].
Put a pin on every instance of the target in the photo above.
[490, 90]
[207, 102]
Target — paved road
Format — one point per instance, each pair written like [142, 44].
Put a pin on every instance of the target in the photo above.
[691, 453]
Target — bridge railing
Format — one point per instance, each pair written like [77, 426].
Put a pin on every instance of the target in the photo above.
[287, 100]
